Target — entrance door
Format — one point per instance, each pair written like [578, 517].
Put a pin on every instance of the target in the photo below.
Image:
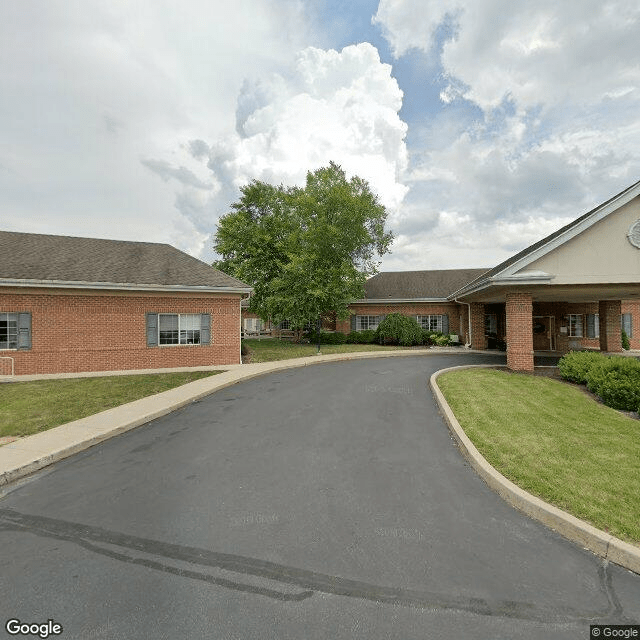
[544, 328]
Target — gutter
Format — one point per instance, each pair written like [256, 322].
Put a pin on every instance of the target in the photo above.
[120, 286]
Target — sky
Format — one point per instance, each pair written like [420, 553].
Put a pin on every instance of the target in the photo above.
[481, 125]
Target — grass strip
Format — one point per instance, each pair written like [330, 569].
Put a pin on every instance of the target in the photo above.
[554, 441]
[270, 349]
[31, 407]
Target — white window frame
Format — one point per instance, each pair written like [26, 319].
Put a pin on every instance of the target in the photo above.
[431, 322]
[184, 332]
[576, 325]
[10, 318]
[366, 323]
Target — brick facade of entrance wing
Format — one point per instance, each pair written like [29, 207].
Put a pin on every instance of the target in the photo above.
[84, 304]
[577, 288]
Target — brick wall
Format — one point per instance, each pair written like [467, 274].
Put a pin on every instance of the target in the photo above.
[453, 310]
[76, 331]
[519, 312]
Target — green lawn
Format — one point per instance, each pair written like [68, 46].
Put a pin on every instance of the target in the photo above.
[30, 407]
[269, 349]
[554, 441]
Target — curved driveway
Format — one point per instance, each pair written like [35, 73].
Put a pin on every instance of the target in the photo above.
[321, 502]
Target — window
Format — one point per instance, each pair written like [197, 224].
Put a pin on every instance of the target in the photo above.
[178, 328]
[490, 324]
[363, 323]
[8, 330]
[431, 322]
[15, 330]
[575, 325]
[593, 325]
[285, 324]
[253, 324]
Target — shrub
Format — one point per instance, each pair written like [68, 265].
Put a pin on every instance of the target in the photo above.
[367, 336]
[621, 390]
[327, 337]
[442, 340]
[606, 366]
[625, 341]
[399, 329]
[244, 350]
[616, 380]
[575, 365]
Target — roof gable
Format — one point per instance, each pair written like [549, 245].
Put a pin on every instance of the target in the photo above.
[526, 265]
[66, 259]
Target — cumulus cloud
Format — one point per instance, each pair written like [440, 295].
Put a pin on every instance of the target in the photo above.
[538, 118]
[341, 106]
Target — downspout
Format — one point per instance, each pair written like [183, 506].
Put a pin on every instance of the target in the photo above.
[468, 344]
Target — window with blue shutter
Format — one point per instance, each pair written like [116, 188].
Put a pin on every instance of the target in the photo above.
[164, 329]
[15, 330]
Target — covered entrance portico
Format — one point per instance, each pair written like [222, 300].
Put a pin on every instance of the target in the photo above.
[571, 290]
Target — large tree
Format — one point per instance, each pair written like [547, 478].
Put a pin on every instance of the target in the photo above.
[306, 251]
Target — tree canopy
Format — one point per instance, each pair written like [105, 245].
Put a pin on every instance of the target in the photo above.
[305, 251]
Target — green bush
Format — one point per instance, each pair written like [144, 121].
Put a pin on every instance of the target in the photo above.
[327, 337]
[616, 380]
[625, 341]
[575, 365]
[367, 336]
[599, 371]
[435, 337]
[399, 329]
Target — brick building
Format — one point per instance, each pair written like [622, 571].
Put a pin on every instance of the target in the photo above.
[577, 288]
[84, 304]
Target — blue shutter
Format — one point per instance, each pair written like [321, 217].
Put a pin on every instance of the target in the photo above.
[627, 324]
[445, 324]
[591, 325]
[353, 323]
[152, 329]
[205, 328]
[24, 331]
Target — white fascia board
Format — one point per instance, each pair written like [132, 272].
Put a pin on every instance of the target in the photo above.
[119, 286]
[534, 277]
[599, 214]
[398, 300]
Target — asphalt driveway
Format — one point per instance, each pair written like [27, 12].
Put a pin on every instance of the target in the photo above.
[323, 502]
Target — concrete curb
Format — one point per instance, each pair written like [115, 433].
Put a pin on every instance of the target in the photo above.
[32, 453]
[599, 542]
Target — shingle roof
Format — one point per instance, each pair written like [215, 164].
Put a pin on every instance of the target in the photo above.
[31, 256]
[406, 285]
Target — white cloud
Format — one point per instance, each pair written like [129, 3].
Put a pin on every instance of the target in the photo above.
[538, 119]
[90, 89]
[340, 106]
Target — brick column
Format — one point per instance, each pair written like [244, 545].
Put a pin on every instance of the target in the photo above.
[477, 326]
[519, 312]
[610, 331]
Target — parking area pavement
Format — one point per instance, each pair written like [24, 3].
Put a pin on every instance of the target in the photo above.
[327, 501]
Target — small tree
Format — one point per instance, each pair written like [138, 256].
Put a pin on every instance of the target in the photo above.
[305, 251]
[399, 329]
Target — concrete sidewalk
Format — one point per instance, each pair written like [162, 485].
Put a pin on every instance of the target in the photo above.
[26, 455]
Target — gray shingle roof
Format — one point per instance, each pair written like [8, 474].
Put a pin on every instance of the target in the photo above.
[406, 285]
[31, 256]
